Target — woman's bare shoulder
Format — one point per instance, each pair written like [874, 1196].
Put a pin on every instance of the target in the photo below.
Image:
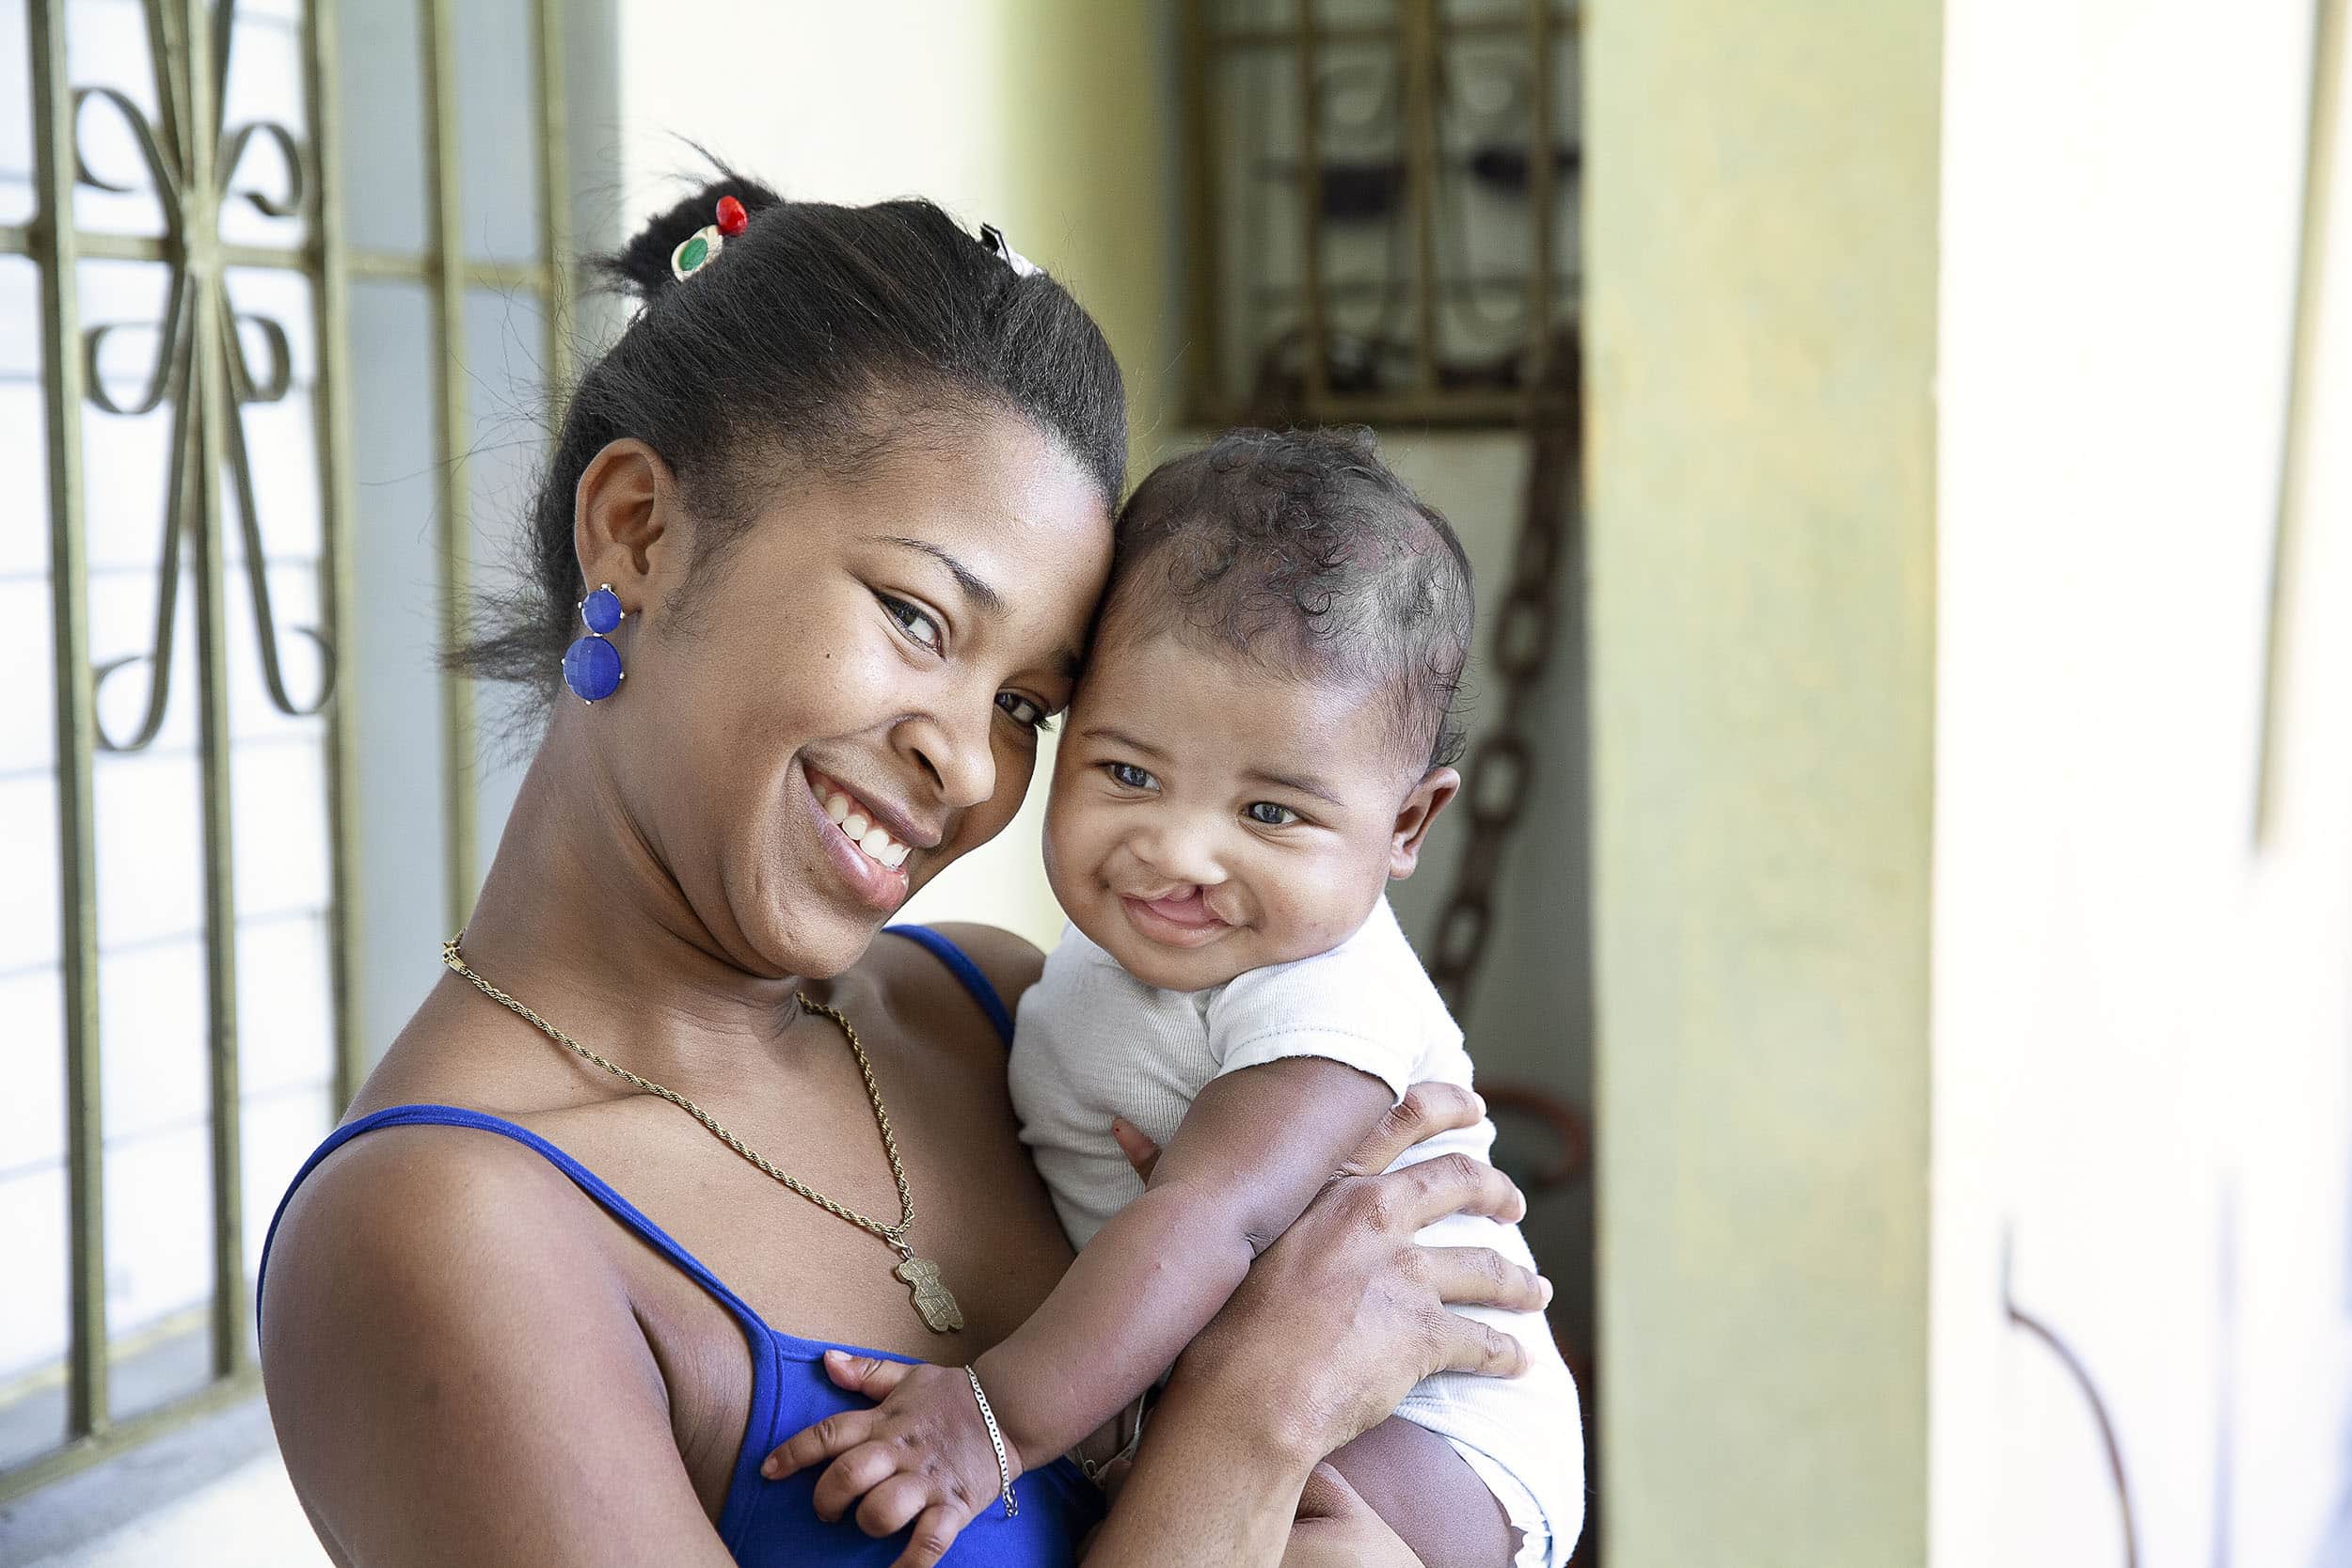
[445, 1341]
[432, 1224]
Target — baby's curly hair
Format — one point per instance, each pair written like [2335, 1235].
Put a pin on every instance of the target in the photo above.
[1302, 552]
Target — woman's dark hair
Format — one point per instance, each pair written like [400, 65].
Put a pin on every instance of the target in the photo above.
[823, 338]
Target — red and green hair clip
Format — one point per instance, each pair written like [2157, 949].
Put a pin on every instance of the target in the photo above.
[697, 249]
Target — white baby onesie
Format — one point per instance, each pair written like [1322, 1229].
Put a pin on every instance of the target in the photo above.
[1094, 1042]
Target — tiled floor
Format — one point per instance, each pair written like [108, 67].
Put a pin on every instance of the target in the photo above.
[247, 1519]
[209, 1494]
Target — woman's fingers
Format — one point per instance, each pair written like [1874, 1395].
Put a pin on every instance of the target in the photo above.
[1467, 1345]
[1426, 1110]
[1481, 1276]
[1142, 1152]
[1421, 1196]
[870, 1375]
[1277, 1341]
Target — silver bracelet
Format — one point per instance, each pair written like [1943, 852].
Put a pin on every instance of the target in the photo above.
[996, 1441]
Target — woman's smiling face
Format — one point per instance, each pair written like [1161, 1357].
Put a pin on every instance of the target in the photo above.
[850, 697]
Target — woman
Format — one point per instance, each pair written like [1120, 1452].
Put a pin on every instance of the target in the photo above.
[850, 481]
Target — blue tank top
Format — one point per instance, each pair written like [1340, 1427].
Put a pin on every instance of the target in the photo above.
[770, 1523]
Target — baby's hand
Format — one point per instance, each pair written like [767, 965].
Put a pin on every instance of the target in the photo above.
[922, 1456]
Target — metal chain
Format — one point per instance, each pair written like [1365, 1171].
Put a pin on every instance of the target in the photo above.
[1502, 764]
[894, 1234]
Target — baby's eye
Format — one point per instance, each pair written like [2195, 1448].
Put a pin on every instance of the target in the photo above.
[1127, 773]
[920, 629]
[1267, 815]
[1025, 711]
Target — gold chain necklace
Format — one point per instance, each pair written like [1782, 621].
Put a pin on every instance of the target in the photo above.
[934, 1303]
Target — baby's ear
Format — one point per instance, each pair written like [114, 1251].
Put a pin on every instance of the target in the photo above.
[1421, 808]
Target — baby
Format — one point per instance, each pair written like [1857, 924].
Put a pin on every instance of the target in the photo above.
[1259, 742]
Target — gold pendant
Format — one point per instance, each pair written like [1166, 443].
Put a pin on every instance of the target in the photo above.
[933, 1302]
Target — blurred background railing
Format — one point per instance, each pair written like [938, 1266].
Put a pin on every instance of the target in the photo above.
[1381, 203]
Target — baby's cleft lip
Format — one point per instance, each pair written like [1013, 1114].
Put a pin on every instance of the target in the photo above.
[1190, 908]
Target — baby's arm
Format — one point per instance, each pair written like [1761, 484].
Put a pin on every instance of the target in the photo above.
[1248, 1157]
[1250, 1154]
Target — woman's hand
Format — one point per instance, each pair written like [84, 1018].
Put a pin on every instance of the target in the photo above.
[1344, 1313]
[1335, 1323]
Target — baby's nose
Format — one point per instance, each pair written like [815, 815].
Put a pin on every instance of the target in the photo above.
[1181, 854]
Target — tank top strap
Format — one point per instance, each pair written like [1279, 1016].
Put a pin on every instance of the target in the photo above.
[581, 1177]
[959, 963]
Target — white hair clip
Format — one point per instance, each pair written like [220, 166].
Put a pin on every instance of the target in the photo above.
[993, 238]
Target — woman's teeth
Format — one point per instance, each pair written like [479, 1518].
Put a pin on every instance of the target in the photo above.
[850, 819]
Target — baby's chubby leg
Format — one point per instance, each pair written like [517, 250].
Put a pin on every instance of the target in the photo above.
[1428, 1494]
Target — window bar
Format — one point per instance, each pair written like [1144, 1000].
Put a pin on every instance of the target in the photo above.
[412, 269]
[555, 202]
[164, 45]
[2321, 111]
[1205, 358]
[445, 221]
[1318, 347]
[57, 253]
[157, 247]
[332, 301]
[1248, 38]
[208, 394]
[1540, 191]
[1419, 68]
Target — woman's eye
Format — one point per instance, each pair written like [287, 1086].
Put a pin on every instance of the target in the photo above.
[1267, 815]
[920, 629]
[1025, 711]
[1127, 773]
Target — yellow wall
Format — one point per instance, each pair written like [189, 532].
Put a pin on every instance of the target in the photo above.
[1761, 260]
[1047, 118]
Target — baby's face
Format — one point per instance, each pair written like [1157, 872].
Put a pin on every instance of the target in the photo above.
[1209, 819]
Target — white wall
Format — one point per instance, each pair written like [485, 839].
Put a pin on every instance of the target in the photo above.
[825, 102]
[2142, 1024]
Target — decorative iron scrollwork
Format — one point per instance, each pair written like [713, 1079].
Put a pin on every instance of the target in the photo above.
[196, 270]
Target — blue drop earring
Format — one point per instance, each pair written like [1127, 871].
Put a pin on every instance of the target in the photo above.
[591, 666]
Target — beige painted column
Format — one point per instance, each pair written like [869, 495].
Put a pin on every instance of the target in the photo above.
[1761, 256]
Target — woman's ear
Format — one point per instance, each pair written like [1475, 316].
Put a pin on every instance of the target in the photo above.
[621, 514]
[1421, 808]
